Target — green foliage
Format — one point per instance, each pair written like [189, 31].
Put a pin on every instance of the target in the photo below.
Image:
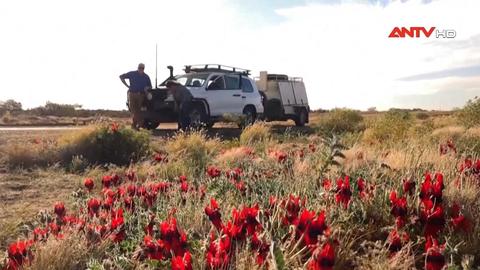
[105, 144]
[469, 115]
[341, 120]
[392, 126]
[10, 106]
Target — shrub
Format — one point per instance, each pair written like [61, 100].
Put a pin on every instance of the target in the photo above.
[422, 115]
[105, 144]
[194, 149]
[255, 133]
[29, 155]
[469, 115]
[341, 121]
[392, 126]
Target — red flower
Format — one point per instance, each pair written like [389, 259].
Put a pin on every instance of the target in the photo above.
[312, 147]
[396, 241]
[361, 186]
[107, 181]
[214, 215]
[131, 175]
[262, 249]
[18, 254]
[88, 183]
[408, 186]
[182, 178]
[153, 249]
[93, 206]
[344, 193]
[399, 209]
[114, 127]
[431, 190]
[158, 157]
[182, 263]
[218, 253]
[292, 207]
[459, 221]
[435, 259]
[116, 226]
[327, 184]
[311, 227]
[213, 172]
[59, 209]
[174, 240]
[433, 217]
[184, 186]
[129, 203]
[39, 234]
[323, 259]
[234, 174]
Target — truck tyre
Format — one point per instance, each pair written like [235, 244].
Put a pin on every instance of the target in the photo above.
[250, 115]
[150, 124]
[301, 118]
[198, 116]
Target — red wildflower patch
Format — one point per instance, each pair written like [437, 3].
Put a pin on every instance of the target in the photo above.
[182, 262]
[88, 183]
[213, 172]
[107, 181]
[458, 221]
[93, 206]
[432, 189]
[434, 255]
[59, 209]
[399, 209]
[343, 192]
[214, 215]
[433, 217]
[396, 241]
[408, 186]
[18, 254]
[292, 208]
[323, 258]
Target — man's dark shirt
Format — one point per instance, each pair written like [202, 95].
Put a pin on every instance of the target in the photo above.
[138, 81]
[182, 94]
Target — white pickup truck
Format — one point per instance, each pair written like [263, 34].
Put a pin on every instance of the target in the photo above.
[218, 91]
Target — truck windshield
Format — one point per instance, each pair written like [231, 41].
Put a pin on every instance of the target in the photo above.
[192, 80]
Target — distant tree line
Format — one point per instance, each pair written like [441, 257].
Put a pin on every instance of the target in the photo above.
[54, 109]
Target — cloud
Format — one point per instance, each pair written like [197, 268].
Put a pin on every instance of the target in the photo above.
[454, 93]
[452, 72]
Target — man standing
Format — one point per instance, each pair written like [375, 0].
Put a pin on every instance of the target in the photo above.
[183, 100]
[139, 84]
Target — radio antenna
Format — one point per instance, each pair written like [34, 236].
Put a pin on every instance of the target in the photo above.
[156, 84]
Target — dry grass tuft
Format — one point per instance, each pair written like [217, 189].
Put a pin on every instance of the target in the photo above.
[72, 252]
[254, 134]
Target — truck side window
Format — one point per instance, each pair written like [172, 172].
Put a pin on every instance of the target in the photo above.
[247, 85]
[232, 82]
[216, 83]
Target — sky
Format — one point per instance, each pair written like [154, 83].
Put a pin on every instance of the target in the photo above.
[73, 51]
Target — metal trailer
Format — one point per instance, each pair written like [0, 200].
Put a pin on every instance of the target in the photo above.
[284, 98]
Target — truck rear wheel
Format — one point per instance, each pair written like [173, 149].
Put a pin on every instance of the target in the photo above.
[301, 118]
[250, 115]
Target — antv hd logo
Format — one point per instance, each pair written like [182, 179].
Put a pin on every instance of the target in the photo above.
[418, 32]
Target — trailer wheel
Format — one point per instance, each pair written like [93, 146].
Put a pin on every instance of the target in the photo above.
[150, 124]
[301, 118]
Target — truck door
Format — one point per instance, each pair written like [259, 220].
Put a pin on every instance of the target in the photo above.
[222, 96]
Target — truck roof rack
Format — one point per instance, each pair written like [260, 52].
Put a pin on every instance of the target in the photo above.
[215, 68]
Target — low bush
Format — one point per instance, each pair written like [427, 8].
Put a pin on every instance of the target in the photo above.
[194, 149]
[394, 125]
[469, 115]
[105, 144]
[253, 134]
[341, 121]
